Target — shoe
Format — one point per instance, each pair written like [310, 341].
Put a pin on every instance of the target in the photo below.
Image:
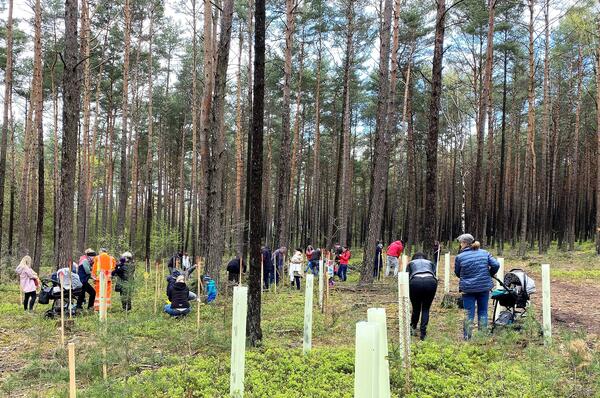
[423, 335]
[413, 331]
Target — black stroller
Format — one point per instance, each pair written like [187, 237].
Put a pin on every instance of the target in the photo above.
[513, 296]
[51, 292]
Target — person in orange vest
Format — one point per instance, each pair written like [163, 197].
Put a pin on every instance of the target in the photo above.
[103, 263]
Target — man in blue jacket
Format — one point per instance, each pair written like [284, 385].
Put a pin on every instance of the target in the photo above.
[475, 268]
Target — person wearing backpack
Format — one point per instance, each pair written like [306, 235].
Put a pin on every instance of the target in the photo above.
[84, 271]
[344, 259]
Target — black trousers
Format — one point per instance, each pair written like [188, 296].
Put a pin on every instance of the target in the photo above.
[29, 300]
[89, 289]
[422, 292]
[296, 281]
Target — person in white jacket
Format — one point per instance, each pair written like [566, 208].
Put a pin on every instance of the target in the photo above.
[295, 270]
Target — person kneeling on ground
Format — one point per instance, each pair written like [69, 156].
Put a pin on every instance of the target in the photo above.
[475, 268]
[296, 268]
[179, 296]
[233, 270]
[422, 287]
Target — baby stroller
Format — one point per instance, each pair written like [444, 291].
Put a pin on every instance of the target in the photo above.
[513, 296]
[51, 292]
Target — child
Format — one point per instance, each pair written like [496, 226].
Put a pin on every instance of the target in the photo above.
[296, 268]
[28, 281]
[344, 258]
[211, 289]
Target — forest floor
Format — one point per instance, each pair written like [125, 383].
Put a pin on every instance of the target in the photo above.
[151, 355]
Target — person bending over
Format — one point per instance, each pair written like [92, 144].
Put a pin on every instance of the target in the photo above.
[179, 295]
[422, 287]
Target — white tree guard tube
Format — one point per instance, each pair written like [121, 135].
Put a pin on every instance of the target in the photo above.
[404, 317]
[447, 273]
[321, 285]
[366, 377]
[546, 304]
[308, 314]
[377, 315]
[238, 341]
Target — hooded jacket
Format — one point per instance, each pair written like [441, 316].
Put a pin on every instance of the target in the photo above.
[178, 295]
[475, 269]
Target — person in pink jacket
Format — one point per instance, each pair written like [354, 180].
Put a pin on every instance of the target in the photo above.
[28, 279]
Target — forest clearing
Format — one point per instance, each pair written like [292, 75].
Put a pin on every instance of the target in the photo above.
[151, 355]
[300, 198]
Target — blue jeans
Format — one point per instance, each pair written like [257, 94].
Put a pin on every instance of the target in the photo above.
[313, 266]
[469, 301]
[342, 272]
[176, 311]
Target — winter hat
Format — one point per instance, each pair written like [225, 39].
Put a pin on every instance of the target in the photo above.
[180, 278]
[90, 252]
[127, 255]
[467, 238]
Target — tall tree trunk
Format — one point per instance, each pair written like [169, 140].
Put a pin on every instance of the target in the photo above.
[254, 330]
[530, 150]
[71, 88]
[149, 163]
[598, 146]
[543, 179]
[432, 136]
[316, 191]
[123, 173]
[345, 181]
[8, 76]
[205, 107]
[380, 155]
[574, 155]
[283, 189]
[194, 183]
[502, 173]
[217, 153]
[239, 156]
[484, 108]
[84, 160]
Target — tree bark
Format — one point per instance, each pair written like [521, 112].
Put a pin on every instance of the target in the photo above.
[217, 153]
[283, 189]
[530, 150]
[8, 77]
[254, 330]
[149, 163]
[432, 136]
[598, 146]
[71, 107]
[316, 191]
[123, 173]
[380, 155]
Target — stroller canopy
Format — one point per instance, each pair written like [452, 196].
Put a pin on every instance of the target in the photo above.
[518, 277]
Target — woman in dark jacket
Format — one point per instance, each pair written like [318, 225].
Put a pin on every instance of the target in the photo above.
[475, 268]
[422, 288]
[178, 295]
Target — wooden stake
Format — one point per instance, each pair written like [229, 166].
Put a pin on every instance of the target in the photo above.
[447, 273]
[104, 367]
[70, 288]
[198, 298]
[404, 318]
[62, 309]
[377, 315]
[103, 308]
[366, 375]
[546, 304]
[321, 282]
[308, 317]
[72, 383]
[238, 341]
[262, 276]
[156, 287]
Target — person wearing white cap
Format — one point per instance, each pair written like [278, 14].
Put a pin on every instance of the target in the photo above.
[475, 268]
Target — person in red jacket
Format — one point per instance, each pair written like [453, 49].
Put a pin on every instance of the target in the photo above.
[344, 258]
[394, 252]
